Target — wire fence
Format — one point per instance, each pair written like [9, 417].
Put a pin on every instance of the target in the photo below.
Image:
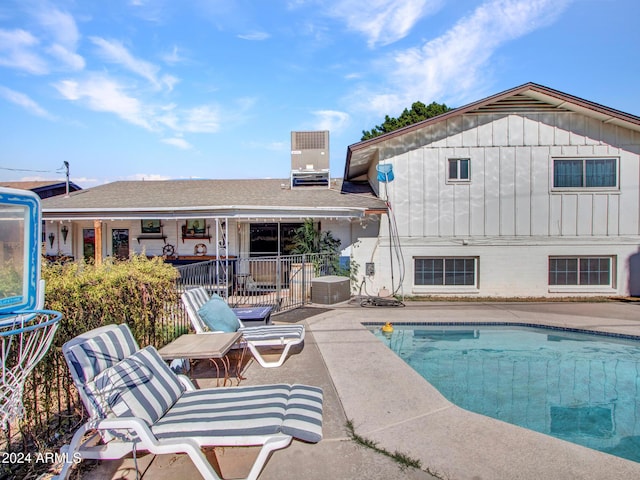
[52, 408]
[283, 281]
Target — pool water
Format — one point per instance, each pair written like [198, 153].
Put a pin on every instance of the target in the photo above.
[579, 387]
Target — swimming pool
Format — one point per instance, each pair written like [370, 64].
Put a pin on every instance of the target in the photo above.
[583, 388]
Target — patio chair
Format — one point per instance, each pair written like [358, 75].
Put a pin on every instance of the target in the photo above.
[211, 314]
[136, 402]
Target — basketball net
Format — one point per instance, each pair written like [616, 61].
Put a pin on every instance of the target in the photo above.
[25, 338]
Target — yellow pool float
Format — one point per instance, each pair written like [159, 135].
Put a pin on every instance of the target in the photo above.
[387, 327]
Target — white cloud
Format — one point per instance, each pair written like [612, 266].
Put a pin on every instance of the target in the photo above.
[103, 94]
[331, 120]
[61, 26]
[200, 119]
[173, 57]
[63, 31]
[382, 21]
[147, 176]
[203, 119]
[255, 36]
[454, 64]
[69, 58]
[17, 51]
[25, 102]
[178, 142]
[115, 52]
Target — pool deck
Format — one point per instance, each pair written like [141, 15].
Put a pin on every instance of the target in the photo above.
[392, 405]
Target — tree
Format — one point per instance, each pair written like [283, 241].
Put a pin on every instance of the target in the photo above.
[309, 240]
[419, 111]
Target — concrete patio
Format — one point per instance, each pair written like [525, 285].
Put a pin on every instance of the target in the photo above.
[389, 403]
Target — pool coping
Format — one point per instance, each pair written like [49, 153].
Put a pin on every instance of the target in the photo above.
[392, 405]
[510, 324]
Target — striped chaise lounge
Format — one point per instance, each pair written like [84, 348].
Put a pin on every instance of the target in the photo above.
[136, 402]
[271, 336]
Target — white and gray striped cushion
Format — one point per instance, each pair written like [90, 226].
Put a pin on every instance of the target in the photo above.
[272, 332]
[141, 385]
[303, 419]
[96, 354]
[245, 411]
[195, 298]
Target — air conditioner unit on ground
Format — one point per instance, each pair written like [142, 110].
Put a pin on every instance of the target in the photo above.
[331, 289]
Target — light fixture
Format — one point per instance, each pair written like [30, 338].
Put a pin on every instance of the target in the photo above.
[65, 231]
[52, 237]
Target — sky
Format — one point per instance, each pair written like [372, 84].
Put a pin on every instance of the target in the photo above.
[165, 89]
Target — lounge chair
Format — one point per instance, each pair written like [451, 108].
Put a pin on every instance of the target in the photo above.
[136, 402]
[271, 336]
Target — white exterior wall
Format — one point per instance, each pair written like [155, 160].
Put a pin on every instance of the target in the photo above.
[508, 215]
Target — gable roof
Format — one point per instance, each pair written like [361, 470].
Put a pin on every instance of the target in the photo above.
[529, 97]
[213, 198]
[44, 188]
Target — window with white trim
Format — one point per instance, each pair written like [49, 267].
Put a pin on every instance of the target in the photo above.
[445, 271]
[585, 173]
[458, 170]
[565, 271]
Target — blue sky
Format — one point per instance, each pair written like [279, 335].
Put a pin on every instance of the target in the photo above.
[165, 89]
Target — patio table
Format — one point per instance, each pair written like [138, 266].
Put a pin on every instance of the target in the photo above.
[214, 346]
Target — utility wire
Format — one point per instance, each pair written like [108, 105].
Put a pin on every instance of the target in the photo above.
[27, 170]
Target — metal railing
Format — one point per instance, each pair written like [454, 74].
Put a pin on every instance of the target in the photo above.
[281, 281]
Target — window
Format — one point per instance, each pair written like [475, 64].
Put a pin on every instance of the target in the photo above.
[458, 169]
[580, 271]
[445, 271]
[89, 244]
[120, 243]
[272, 238]
[585, 173]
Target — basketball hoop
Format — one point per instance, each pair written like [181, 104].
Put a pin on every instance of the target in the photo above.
[25, 338]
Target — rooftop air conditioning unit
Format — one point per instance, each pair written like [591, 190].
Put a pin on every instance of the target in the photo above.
[310, 158]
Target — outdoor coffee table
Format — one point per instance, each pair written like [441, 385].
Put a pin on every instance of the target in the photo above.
[212, 346]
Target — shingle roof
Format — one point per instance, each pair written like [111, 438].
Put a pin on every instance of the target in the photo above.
[36, 184]
[216, 197]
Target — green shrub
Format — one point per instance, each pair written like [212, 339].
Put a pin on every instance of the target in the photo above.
[139, 292]
[135, 292]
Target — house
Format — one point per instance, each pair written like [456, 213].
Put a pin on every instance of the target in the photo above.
[528, 193]
[195, 220]
[44, 188]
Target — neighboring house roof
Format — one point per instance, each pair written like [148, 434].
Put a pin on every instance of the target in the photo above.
[44, 188]
[224, 198]
[527, 98]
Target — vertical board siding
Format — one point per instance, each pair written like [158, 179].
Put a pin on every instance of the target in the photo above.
[523, 204]
[600, 215]
[507, 191]
[511, 165]
[629, 182]
[431, 192]
[569, 207]
[446, 199]
[416, 206]
[477, 220]
[585, 215]
[401, 202]
[491, 191]
[540, 201]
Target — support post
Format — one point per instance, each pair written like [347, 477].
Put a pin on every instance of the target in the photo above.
[97, 225]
